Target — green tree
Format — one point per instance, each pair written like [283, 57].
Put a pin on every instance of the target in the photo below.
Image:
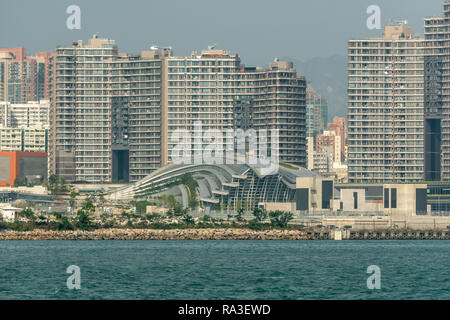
[63, 223]
[280, 218]
[56, 185]
[84, 219]
[259, 214]
[254, 225]
[171, 201]
[88, 205]
[187, 219]
[170, 213]
[84, 216]
[206, 219]
[239, 215]
[141, 206]
[178, 210]
[27, 213]
[73, 196]
[125, 216]
[107, 220]
[20, 183]
[193, 203]
[151, 217]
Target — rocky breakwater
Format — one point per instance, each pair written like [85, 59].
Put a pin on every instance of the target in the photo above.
[155, 234]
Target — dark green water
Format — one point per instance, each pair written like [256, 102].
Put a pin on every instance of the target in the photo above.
[225, 269]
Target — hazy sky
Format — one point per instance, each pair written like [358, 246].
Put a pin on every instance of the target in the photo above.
[258, 30]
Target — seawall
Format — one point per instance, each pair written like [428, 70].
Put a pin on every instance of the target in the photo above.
[222, 234]
[155, 234]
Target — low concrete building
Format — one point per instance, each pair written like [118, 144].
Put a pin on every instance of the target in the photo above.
[389, 199]
[23, 166]
[155, 209]
[405, 199]
[8, 212]
[277, 206]
[314, 194]
[358, 198]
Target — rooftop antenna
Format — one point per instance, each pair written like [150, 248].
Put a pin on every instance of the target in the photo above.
[212, 47]
[95, 36]
[400, 22]
[155, 47]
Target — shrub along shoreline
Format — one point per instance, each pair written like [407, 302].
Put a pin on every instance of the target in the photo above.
[86, 220]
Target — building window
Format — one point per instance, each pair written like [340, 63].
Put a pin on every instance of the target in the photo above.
[355, 200]
[386, 198]
[394, 198]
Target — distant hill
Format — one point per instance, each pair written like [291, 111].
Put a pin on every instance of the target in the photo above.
[328, 76]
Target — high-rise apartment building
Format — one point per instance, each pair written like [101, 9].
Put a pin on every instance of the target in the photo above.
[105, 112]
[27, 139]
[205, 88]
[112, 114]
[142, 79]
[316, 112]
[437, 96]
[279, 96]
[43, 62]
[201, 88]
[386, 107]
[81, 110]
[31, 114]
[340, 128]
[23, 78]
[329, 139]
[24, 127]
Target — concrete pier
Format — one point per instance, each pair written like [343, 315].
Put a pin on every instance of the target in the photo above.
[396, 235]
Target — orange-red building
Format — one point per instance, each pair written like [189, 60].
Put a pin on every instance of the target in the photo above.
[25, 166]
